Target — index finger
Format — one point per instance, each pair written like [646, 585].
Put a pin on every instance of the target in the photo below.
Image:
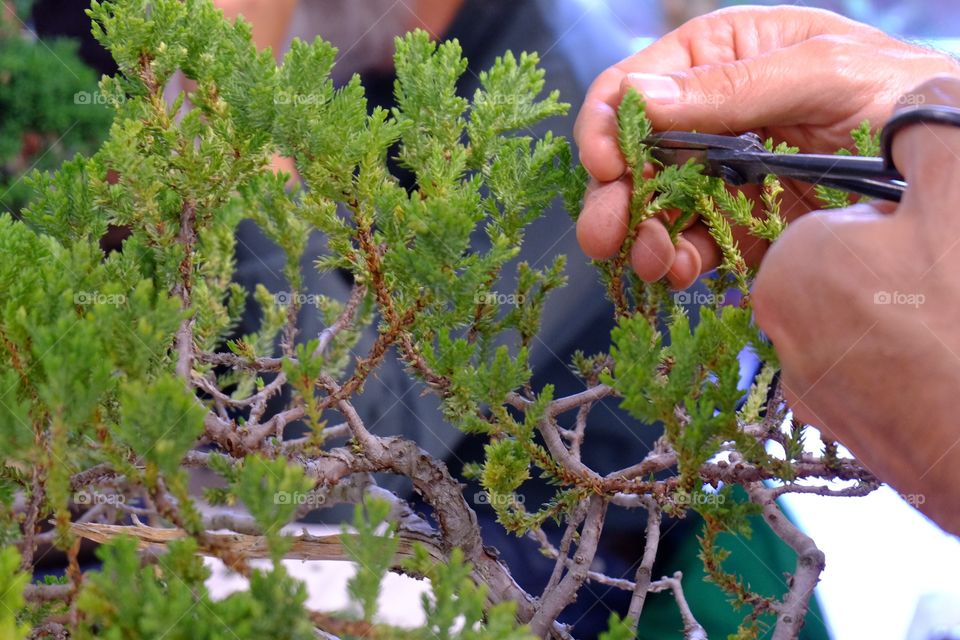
[596, 127]
[728, 35]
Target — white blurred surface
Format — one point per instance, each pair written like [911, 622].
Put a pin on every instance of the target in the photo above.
[399, 603]
[883, 558]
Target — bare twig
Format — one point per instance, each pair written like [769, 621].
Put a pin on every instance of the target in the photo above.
[183, 339]
[576, 517]
[344, 320]
[553, 603]
[645, 570]
[576, 439]
[858, 490]
[49, 630]
[239, 362]
[46, 592]
[30, 522]
[303, 546]
[792, 610]
[691, 628]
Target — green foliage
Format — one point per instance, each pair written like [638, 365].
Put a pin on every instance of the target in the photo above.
[756, 398]
[698, 371]
[506, 102]
[618, 629]
[507, 466]
[12, 582]
[160, 422]
[169, 599]
[271, 491]
[457, 602]
[634, 128]
[866, 142]
[371, 545]
[45, 121]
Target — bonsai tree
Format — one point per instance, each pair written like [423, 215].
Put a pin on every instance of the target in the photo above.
[118, 376]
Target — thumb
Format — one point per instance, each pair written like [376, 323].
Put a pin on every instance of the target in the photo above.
[928, 154]
[787, 86]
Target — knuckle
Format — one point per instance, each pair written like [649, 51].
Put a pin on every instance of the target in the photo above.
[727, 79]
[840, 50]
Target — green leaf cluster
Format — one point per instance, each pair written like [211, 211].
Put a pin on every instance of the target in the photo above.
[372, 545]
[169, 599]
[44, 122]
[271, 490]
[12, 582]
[456, 609]
[866, 142]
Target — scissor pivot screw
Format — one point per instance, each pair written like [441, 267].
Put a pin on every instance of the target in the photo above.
[750, 135]
[731, 176]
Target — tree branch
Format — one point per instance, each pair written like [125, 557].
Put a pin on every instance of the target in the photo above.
[691, 628]
[792, 610]
[187, 238]
[645, 570]
[565, 592]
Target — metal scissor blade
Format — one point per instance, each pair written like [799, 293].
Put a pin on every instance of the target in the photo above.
[705, 141]
[676, 156]
[744, 159]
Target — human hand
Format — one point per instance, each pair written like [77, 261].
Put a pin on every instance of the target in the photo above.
[804, 76]
[861, 305]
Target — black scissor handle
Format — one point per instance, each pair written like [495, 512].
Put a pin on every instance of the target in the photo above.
[922, 114]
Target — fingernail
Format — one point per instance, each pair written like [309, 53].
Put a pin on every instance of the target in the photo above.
[654, 88]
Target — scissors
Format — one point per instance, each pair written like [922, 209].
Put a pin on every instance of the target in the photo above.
[744, 160]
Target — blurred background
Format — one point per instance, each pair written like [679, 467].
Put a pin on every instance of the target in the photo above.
[909, 18]
[890, 573]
